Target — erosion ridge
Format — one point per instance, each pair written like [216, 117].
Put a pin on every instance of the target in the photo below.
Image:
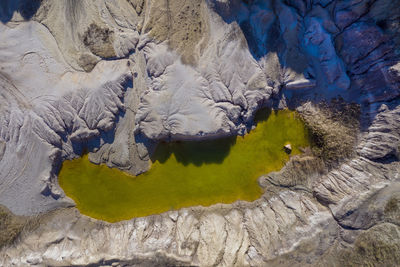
[105, 76]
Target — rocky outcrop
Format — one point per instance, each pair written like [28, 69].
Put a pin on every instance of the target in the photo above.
[128, 151]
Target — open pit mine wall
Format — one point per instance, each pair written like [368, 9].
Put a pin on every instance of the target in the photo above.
[69, 70]
[197, 69]
[116, 76]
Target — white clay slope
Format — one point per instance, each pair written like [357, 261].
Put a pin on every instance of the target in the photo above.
[46, 106]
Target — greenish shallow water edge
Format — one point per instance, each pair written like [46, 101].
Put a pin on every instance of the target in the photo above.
[185, 174]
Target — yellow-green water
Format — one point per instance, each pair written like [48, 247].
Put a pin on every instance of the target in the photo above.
[185, 174]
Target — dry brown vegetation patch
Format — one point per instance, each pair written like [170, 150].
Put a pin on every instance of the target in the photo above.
[99, 40]
[179, 22]
[334, 128]
[10, 226]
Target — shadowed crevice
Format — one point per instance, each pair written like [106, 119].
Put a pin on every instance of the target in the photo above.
[27, 9]
[201, 152]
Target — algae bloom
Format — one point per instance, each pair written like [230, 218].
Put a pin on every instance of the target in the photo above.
[185, 174]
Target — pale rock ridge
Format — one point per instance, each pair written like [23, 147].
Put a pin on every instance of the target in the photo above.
[222, 235]
[128, 151]
[383, 138]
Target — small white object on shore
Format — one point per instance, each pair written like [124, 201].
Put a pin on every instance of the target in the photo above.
[288, 148]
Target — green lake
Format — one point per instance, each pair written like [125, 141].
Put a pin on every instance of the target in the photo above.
[185, 174]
